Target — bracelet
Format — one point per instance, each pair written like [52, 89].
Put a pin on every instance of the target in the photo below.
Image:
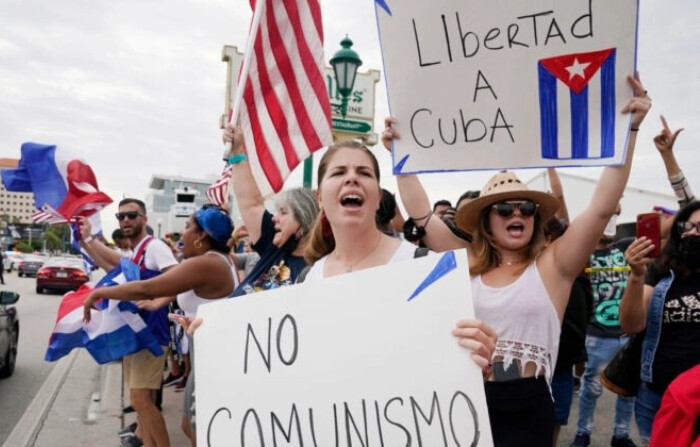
[233, 159]
[88, 239]
[634, 129]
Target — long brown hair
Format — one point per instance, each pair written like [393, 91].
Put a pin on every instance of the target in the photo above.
[484, 245]
[321, 240]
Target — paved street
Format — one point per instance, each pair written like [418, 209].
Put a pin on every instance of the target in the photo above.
[37, 314]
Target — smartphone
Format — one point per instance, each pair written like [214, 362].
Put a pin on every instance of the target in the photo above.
[649, 225]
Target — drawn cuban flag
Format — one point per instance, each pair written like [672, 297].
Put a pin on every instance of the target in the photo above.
[577, 105]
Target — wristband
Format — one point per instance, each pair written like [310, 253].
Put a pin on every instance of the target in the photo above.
[88, 239]
[233, 159]
[634, 129]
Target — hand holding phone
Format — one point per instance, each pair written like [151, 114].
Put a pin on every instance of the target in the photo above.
[649, 226]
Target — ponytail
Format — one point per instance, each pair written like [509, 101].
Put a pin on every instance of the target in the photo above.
[321, 241]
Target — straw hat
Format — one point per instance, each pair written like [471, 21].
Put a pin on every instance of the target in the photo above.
[504, 186]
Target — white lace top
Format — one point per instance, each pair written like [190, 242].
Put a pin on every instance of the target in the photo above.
[525, 319]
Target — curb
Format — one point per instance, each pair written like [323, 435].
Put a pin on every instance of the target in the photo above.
[25, 432]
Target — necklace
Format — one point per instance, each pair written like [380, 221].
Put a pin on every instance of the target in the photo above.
[509, 263]
[348, 267]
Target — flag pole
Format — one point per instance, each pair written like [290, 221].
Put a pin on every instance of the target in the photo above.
[233, 116]
[243, 77]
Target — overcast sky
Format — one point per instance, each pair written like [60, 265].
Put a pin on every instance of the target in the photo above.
[137, 87]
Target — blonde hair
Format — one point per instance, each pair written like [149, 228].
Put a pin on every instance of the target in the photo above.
[487, 256]
[320, 245]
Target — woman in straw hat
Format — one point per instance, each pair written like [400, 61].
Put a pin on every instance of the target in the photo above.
[519, 286]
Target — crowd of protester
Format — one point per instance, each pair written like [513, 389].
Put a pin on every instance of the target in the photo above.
[545, 288]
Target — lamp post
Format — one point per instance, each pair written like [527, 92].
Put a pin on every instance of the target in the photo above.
[345, 63]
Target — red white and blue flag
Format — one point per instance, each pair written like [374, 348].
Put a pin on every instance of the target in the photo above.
[116, 330]
[63, 185]
[217, 192]
[572, 88]
[284, 109]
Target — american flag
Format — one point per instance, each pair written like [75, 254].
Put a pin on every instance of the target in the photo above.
[217, 193]
[284, 108]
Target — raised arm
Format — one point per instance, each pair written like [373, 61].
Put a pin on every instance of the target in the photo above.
[558, 192]
[636, 298]
[664, 144]
[192, 274]
[250, 201]
[104, 257]
[569, 253]
[438, 237]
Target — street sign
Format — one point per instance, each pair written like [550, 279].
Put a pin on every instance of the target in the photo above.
[351, 126]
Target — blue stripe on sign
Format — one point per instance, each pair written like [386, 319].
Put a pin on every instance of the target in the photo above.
[548, 112]
[607, 107]
[383, 5]
[579, 124]
[445, 265]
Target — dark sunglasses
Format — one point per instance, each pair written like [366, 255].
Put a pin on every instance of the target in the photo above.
[130, 214]
[688, 226]
[506, 209]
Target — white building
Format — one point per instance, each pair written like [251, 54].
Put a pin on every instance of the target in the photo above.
[17, 206]
[167, 214]
[578, 191]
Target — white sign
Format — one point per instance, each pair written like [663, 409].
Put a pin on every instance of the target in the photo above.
[361, 100]
[365, 358]
[491, 84]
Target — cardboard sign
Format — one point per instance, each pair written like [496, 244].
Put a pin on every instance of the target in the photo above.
[364, 359]
[492, 84]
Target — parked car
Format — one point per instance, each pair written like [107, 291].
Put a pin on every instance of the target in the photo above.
[29, 265]
[9, 333]
[61, 274]
[10, 260]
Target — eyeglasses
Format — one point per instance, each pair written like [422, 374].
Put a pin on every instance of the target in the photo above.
[506, 209]
[130, 214]
[688, 226]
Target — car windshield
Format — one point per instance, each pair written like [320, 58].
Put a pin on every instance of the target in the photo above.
[33, 258]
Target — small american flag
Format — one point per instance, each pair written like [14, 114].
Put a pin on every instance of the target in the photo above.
[217, 193]
[282, 98]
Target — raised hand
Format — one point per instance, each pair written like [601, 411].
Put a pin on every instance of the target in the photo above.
[389, 133]
[640, 104]
[637, 255]
[665, 139]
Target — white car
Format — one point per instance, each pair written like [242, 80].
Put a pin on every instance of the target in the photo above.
[10, 260]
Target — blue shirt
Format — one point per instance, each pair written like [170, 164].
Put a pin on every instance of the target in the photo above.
[276, 268]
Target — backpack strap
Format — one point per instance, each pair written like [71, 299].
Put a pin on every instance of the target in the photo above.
[139, 257]
[302, 275]
[420, 252]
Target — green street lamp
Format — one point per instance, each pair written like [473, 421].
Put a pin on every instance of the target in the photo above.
[345, 63]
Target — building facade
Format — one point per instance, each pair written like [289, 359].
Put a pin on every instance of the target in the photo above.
[171, 200]
[15, 207]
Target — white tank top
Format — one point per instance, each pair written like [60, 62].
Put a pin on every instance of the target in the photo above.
[404, 252]
[190, 301]
[525, 319]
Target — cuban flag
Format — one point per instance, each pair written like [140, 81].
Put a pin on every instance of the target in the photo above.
[64, 186]
[116, 330]
[577, 105]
